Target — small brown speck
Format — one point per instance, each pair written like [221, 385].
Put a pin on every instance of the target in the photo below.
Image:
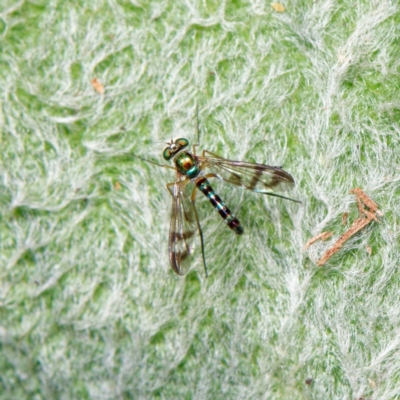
[278, 7]
[98, 87]
[372, 383]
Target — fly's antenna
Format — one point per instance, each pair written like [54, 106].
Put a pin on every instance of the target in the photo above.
[198, 130]
[197, 124]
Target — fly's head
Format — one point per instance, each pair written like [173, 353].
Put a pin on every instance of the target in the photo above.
[174, 147]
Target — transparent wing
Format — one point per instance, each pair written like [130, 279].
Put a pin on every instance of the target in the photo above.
[251, 176]
[183, 227]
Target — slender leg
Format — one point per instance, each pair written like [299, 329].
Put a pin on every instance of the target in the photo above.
[152, 162]
[199, 229]
[212, 154]
[168, 185]
[212, 176]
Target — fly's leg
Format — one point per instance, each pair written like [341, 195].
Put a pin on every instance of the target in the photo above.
[153, 162]
[192, 198]
[205, 152]
[168, 185]
[212, 176]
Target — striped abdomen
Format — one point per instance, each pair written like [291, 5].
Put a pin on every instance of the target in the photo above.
[226, 214]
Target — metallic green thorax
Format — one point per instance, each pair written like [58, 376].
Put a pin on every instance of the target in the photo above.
[186, 164]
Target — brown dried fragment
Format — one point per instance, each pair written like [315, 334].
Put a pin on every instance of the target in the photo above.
[362, 197]
[365, 217]
[117, 186]
[369, 250]
[321, 236]
[98, 87]
[344, 218]
[358, 224]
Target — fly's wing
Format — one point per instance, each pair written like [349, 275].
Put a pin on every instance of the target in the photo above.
[182, 229]
[251, 176]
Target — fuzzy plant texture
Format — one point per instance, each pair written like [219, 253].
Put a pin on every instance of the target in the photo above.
[89, 306]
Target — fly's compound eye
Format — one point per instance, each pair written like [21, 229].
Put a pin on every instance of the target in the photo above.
[182, 142]
[167, 154]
